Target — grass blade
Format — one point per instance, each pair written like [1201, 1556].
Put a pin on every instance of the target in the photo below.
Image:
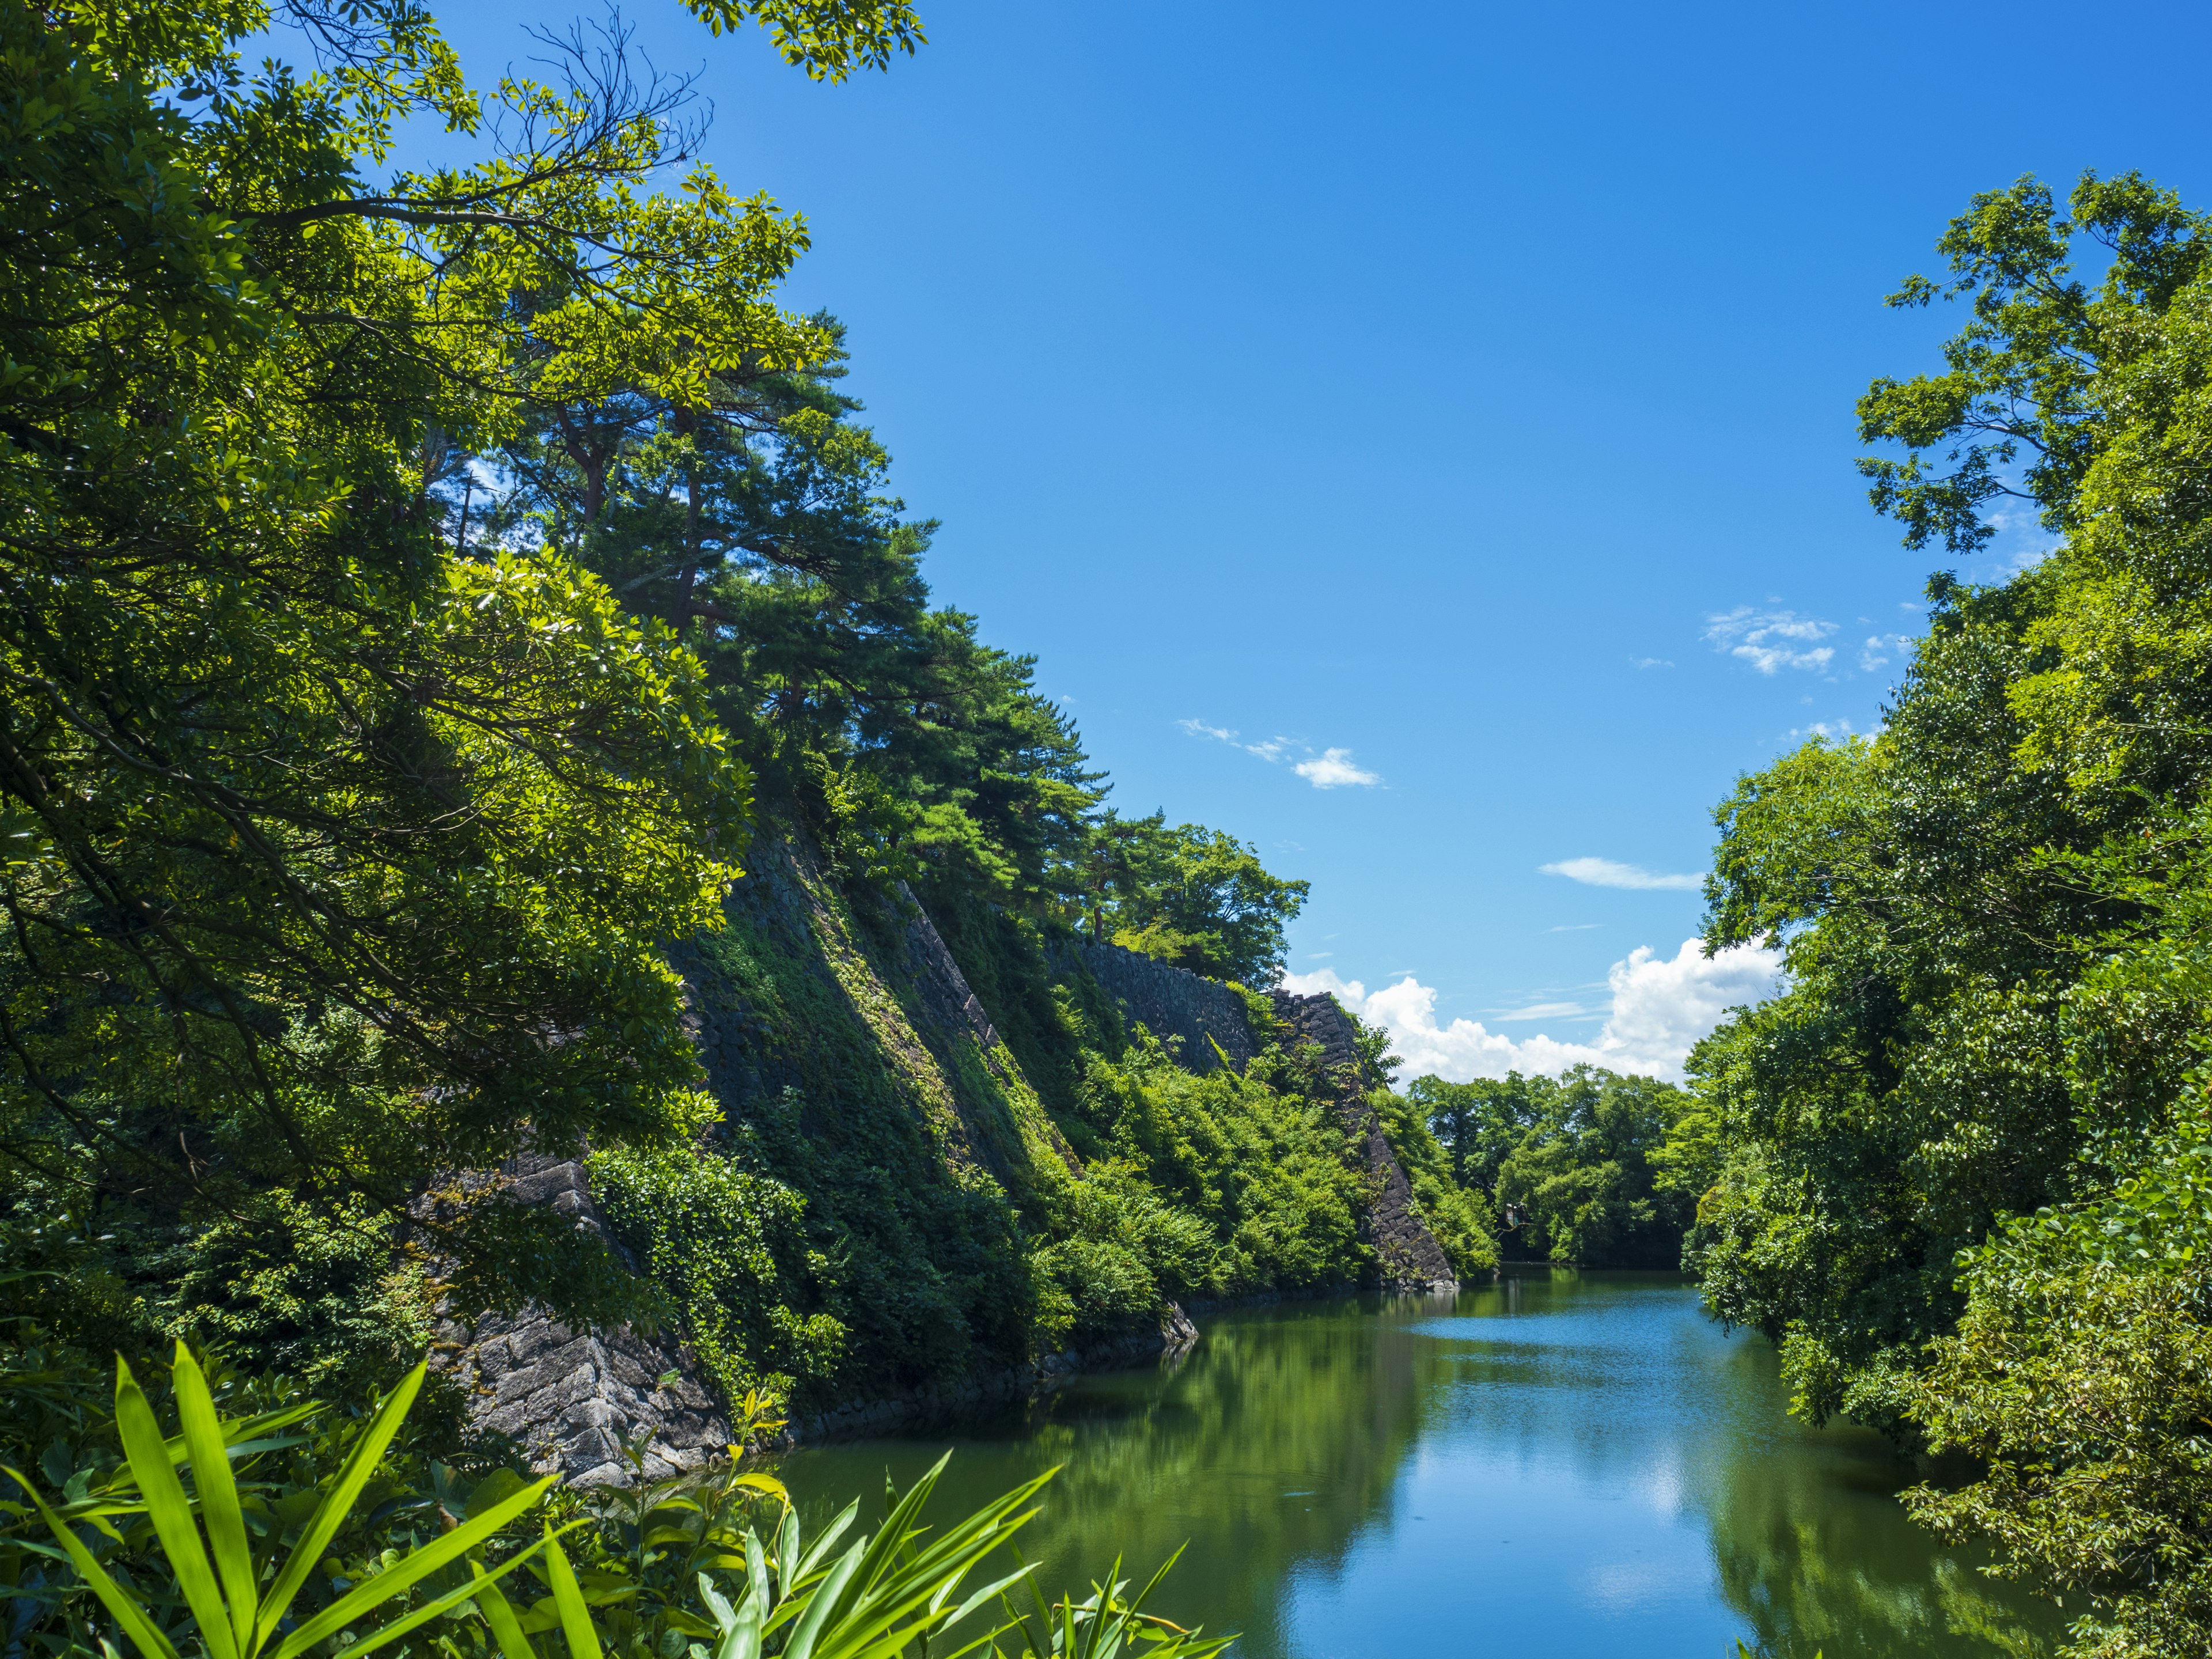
[820, 1548]
[499, 1613]
[485, 1584]
[409, 1569]
[218, 1492]
[787, 1549]
[331, 1513]
[826, 1597]
[568, 1601]
[171, 1514]
[128, 1613]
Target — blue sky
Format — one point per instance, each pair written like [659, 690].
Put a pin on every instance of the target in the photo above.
[1455, 400]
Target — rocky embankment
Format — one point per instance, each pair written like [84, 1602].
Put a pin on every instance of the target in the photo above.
[576, 1399]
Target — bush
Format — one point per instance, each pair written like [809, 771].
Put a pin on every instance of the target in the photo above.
[418, 1560]
[1090, 1290]
[726, 1247]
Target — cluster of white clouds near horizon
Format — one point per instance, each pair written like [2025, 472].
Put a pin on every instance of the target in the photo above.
[1660, 1005]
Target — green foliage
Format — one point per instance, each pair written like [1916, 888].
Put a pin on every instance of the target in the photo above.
[1091, 1289]
[1259, 1160]
[1478, 1122]
[334, 857]
[1192, 896]
[1580, 1181]
[728, 1246]
[1958, 1166]
[415, 578]
[131, 1531]
[209, 1532]
[1575, 1169]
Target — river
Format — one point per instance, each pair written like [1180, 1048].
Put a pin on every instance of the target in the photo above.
[1559, 1465]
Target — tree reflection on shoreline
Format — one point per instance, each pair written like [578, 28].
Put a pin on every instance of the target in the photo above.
[1286, 1447]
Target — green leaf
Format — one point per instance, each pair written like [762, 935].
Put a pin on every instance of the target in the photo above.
[128, 1613]
[569, 1599]
[218, 1492]
[360, 1464]
[499, 1613]
[410, 1568]
[171, 1515]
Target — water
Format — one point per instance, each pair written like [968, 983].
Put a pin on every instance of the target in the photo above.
[1557, 1466]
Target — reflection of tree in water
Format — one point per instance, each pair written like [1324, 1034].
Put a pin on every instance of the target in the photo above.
[1271, 1445]
[1812, 1548]
[1277, 1446]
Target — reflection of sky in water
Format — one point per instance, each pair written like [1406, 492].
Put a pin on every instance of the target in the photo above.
[1561, 1498]
[1554, 1467]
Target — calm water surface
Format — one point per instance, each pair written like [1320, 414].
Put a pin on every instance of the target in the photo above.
[1556, 1466]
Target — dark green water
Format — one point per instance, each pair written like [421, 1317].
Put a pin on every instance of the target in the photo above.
[1558, 1466]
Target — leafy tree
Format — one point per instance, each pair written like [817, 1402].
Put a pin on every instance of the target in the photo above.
[1572, 1169]
[1193, 896]
[1480, 1122]
[334, 859]
[1960, 1161]
[1580, 1182]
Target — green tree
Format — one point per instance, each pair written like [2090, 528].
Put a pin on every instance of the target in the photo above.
[1195, 897]
[1481, 1122]
[1961, 1158]
[1580, 1185]
[334, 859]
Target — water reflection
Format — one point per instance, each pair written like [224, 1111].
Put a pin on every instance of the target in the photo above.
[1560, 1465]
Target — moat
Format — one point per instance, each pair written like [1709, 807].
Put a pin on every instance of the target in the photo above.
[1562, 1464]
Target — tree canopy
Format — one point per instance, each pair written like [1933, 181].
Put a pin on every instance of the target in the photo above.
[1955, 1167]
[417, 585]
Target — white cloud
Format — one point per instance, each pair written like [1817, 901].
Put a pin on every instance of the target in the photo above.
[1332, 769]
[1574, 927]
[1660, 1007]
[1876, 651]
[1544, 1010]
[1651, 662]
[1771, 639]
[1605, 873]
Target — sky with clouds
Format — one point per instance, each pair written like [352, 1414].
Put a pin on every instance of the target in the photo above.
[1421, 443]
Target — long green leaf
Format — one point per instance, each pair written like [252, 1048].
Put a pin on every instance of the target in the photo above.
[128, 1613]
[755, 1568]
[499, 1613]
[825, 1600]
[338, 1503]
[898, 1525]
[384, 1634]
[792, 1576]
[990, 1593]
[218, 1492]
[171, 1515]
[787, 1547]
[568, 1601]
[410, 1568]
[739, 1628]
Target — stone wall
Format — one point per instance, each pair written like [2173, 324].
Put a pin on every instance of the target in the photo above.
[1188, 1013]
[1407, 1256]
[570, 1398]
